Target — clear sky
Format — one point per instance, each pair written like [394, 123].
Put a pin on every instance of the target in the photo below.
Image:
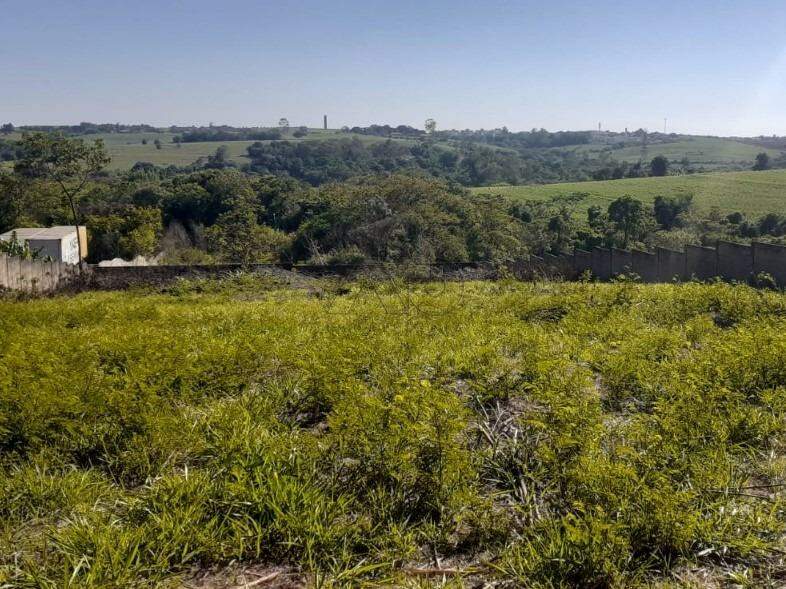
[709, 66]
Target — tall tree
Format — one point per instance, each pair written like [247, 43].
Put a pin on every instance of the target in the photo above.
[68, 162]
[11, 197]
[762, 162]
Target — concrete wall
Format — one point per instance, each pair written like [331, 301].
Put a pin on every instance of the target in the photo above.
[559, 266]
[70, 249]
[770, 259]
[601, 263]
[35, 275]
[621, 262]
[671, 265]
[701, 262]
[735, 261]
[582, 261]
[645, 265]
[730, 261]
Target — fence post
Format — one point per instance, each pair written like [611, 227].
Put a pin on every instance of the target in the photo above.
[13, 272]
[3, 271]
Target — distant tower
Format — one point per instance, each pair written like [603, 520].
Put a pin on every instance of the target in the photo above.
[324, 121]
[664, 125]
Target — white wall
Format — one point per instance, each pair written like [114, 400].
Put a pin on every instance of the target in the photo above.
[70, 249]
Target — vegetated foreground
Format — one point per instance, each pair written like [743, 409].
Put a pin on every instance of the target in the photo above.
[529, 434]
[752, 193]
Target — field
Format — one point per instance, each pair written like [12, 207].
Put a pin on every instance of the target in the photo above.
[753, 193]
[126, 149]
[708, 153]
[536, 435]
[699, 150]
[124, 156]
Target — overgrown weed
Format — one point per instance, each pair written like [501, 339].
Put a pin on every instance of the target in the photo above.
[542, 435]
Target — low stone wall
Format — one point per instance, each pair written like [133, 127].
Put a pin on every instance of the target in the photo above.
[729, 261]
[35, 275]
[120, 277]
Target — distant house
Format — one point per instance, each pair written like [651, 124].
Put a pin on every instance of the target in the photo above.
[59, 243]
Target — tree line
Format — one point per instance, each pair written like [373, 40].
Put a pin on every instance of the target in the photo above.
[354, 213]
[468, 164]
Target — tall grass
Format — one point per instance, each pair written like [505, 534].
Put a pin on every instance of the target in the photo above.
[535, 434]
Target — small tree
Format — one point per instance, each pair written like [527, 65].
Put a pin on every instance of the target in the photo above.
[219, 159]
[659, 166]
[762, 162]
[69, 163]
[158, 144]
[7, 129]
[283, 124]
[430, 126]
[628, 216]
[560, 226]
[669, 210]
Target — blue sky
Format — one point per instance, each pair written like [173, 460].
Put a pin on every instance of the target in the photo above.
[708, 66]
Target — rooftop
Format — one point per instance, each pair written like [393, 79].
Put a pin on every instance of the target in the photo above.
[57, 232]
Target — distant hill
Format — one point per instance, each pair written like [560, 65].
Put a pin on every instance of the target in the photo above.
[703, 153]
[483, 157]
[686, 153]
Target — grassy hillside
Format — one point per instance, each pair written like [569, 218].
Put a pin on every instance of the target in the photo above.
[706, 152]
[538, 434]
[700, 150]
[126, 148]
[125, 155]
[753, 193]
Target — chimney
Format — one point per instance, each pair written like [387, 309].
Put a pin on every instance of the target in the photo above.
[324, 121]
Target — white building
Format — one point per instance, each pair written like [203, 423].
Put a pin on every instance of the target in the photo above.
[59, 243]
